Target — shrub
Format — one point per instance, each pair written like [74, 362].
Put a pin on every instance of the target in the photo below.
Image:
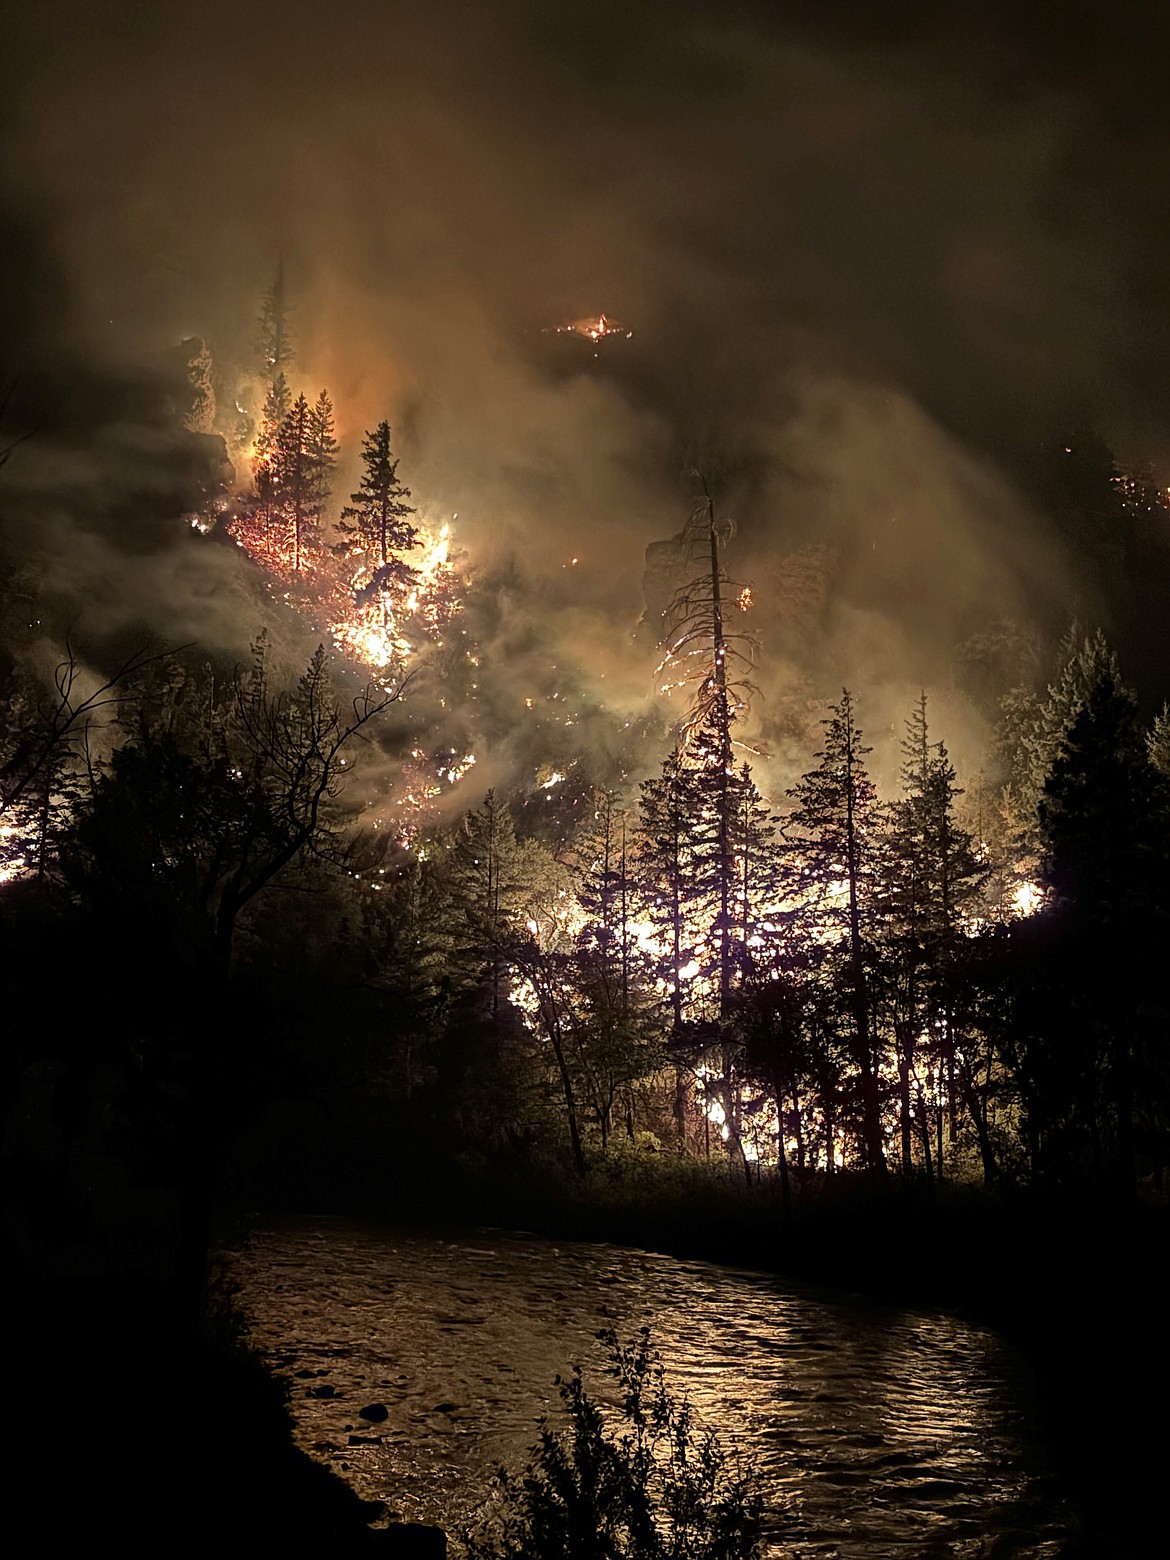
[660, 1487]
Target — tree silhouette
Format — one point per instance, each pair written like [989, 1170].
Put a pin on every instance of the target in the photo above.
[831, 830]
[375, 521]
[189, 825]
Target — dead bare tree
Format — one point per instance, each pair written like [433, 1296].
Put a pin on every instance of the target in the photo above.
[700, 651]
[716, 663]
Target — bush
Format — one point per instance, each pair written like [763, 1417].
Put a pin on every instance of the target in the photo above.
[661, 1489]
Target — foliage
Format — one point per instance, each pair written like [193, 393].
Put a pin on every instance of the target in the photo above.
[663, 1488]
[197, 816]
[45, 752]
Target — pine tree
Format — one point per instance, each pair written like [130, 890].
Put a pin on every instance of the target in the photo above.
[200, 414]
[1105, 813]
[273, 339]
[375, 521]
[277, 405]
[294, 470]
[664, 856]
[604, 891]
[929, 877]
[265, 466]
[665, 893]
[489, 877]
[715, 662]
[1085, 665]
[323, 448]
[615, 1029]
[830, 833]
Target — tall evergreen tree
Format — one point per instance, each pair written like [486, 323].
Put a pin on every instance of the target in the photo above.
[663, 854]
[323, 449]
[664, 858]
[1084, 663]
[605, 892]
[830, 832]
[296, 488]
[266, 466]
[273, 338]
[376, 520]
[494, 884]
[200, 414]
[930, 875]
[1104, 813]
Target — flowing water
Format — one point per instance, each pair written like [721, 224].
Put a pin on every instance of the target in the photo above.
[877, 1432]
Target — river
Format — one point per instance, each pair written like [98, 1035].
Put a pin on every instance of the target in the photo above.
[877, 1432]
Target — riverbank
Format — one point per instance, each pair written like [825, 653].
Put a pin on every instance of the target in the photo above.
[1076, 1284]
[131, 1425]
[155, 1427]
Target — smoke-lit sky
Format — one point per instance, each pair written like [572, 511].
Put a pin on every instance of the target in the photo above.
[874, 263]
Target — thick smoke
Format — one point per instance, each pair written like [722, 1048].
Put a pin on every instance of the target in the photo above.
[868, 275]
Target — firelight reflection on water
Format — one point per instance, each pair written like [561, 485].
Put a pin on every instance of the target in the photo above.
[877, 1433]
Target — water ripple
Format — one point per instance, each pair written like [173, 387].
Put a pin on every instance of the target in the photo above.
[879, 1433]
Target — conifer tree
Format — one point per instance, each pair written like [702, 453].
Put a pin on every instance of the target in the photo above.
[273, 338]
[375, 521]
[1105, 813]
[492, 880]
[664, 853]
[665, 887]
[831, 831]
[323, 448]
[604, 892]
[616, 1035]
[200, 414]
[701, 651]
[296, 490]
[266, 474]
[929, 877]
[1084, 663]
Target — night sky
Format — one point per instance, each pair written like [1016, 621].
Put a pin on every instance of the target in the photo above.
[877, 267]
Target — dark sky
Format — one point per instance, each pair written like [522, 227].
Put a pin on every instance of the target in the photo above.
[874, 260]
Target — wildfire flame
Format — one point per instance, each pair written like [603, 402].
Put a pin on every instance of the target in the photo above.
[594, 328]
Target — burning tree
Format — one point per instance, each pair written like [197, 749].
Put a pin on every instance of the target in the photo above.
[716, 663]
[376, 534]
[375, 520]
